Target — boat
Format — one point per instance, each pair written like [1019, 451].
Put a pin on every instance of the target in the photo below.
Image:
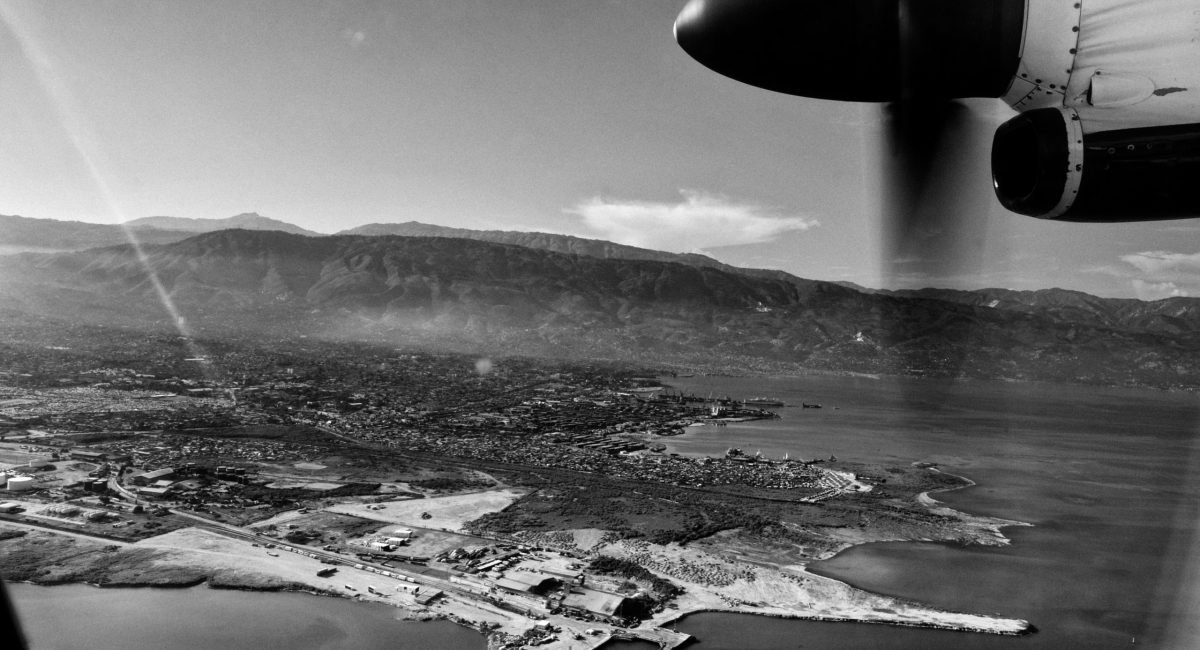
[811, 406]
[762, 401]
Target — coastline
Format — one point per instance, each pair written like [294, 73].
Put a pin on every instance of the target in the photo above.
[712, 573]
[987, 528]
[792, 591]
[937, 507]
[1030, 629]
[981, 530]
[795, 592]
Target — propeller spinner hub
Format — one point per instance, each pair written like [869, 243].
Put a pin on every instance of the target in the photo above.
[858, 50]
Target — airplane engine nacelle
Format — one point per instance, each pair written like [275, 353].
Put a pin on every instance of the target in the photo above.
[857, 50]
[1045, 165]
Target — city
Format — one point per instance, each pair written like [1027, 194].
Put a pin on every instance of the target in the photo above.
[536, 501]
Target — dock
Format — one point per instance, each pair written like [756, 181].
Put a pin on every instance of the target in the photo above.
[666, 639]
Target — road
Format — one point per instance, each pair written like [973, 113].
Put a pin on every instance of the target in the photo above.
[572, 637]
[459, 601]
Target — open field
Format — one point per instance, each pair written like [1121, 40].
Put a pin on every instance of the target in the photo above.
[446, 513]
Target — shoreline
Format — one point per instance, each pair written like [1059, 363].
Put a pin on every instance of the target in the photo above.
[838, 599]
[983, 531]
[1029, 629]
[977, 522]
[777, 590]
[982, 523]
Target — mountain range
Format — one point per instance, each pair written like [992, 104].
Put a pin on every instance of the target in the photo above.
[26, 234]
[539, 294]
[244, 221]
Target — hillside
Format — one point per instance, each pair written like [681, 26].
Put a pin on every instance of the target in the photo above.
[1175, 315]
[508, 299]
[555, 243]
[545, 241]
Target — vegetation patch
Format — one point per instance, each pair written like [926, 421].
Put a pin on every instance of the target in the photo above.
[277, 496]
[628, 569]
[445, 484]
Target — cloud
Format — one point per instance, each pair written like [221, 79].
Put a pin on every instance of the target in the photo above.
[1156, 290]
[1164, 261]
[355, 37]
[1163, 274]
[697, 221]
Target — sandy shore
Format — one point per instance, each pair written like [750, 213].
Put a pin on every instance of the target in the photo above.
[714, 583]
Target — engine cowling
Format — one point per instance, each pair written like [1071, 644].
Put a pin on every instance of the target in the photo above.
[1044, 165]
[858, 50]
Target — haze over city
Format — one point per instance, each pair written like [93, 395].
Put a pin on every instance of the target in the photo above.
[581, 118]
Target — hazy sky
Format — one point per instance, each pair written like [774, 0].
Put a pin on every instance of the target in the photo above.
[574, 116]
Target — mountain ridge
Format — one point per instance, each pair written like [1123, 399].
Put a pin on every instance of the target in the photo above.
[505, 298]
[243, 221]
[554, 242]
[27, 233]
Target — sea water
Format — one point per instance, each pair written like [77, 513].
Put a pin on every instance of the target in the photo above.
[1110, 478]
[88, 618]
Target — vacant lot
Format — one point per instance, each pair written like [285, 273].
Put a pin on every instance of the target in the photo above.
[446, 513]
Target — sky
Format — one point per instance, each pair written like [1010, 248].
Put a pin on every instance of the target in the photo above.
[566, 116]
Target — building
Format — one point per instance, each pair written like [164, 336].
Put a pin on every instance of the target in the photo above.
[154, 492]
[89, 455]
[524, 582]
[602, 604]
[147, 478]
[427, 597]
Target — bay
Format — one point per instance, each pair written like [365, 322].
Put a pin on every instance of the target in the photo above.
[1110, 479]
